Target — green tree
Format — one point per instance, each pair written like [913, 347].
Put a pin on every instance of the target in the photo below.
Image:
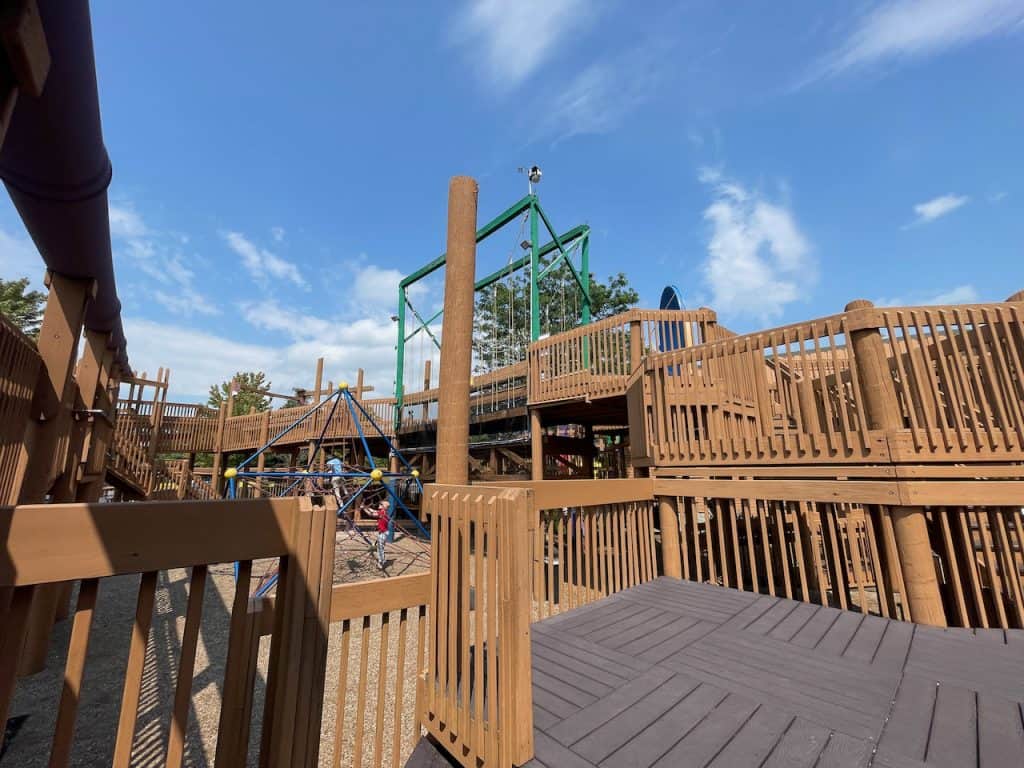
[502, 315]
[23, 307]
[245, 398]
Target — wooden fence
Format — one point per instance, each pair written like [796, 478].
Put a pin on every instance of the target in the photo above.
[919, 384]
[833, 543]
[93, 542]
[478, 700]
[596, 360]
[495, 393]
[19, 370]
[379, 631]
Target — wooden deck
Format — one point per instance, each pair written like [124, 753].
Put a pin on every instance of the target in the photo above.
[674, 673]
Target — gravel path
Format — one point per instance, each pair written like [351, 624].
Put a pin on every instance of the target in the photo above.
[33, 711]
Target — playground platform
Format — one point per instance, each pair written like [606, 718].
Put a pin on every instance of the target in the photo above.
[677, 673]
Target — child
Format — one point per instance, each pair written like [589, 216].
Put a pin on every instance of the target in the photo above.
[383, 519]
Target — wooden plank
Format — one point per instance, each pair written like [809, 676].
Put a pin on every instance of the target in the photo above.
[64, 542]
[954, 733]
[655, 740]
[799, 747]
[588, 719]
[599, 745]
[756, 739]
[186, 666]
[1000, 731]
[710, 735]
[555, 494]
[910, 722]
[133, 674]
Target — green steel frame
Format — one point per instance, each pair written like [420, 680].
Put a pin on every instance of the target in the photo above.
[561, 243]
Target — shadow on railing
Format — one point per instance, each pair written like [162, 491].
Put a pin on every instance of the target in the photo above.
[19, 369]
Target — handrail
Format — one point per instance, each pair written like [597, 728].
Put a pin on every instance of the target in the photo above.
[950, 386]
[595, 360]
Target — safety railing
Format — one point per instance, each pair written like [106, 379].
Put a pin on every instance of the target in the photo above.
[493, 394]
[19, 370]
[907, 384]
[834, 543]
[596, 360]
[478, 700]
[94, 542]
[379, 633]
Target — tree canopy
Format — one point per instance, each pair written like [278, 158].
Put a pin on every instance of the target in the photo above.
[502, 315]
[245, 398]
[23, 307]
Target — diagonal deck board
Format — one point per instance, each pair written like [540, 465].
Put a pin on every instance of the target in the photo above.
[674, 673]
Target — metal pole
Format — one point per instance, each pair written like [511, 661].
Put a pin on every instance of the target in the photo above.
[534, 271]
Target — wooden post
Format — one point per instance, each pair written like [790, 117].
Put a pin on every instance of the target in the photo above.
[910, 525]
[536, 446]
[457, 334]
[218, 447]
[261, 461]
[426, 386]
[668, 518]
[636, 344]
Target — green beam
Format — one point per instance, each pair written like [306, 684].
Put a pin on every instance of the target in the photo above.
[485, 231]
[561, 248]
[534, 269]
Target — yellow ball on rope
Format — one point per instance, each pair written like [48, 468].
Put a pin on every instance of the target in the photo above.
[376, 475]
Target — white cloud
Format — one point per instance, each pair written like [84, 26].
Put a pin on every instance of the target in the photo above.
[598, 99]
[262, 264]
[936, 208]
[961, 294]
[125, 222]
[19, 258]
[512, 40]
[907, 29]
[758, 259]
[198, 359]
[158, 255]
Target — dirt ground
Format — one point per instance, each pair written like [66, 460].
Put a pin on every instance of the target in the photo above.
[33, 710]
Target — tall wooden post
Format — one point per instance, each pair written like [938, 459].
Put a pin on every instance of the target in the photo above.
[457, 334]
[910, 525]
[41, 460]
[668, 522]
[536, 446]
[636, 344]
[218, 447]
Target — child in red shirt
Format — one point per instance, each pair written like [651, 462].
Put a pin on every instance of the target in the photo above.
[383, 519]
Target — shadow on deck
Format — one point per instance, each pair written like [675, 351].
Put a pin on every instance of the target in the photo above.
[674, 673]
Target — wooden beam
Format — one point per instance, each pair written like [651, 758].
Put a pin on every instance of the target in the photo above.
[59, 542]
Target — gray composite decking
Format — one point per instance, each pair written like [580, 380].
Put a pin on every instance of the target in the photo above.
[674, 673]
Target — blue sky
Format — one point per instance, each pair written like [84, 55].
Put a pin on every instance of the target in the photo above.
[276, 171]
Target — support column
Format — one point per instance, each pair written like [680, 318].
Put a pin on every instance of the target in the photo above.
[536, 446]
[636, 345]
[457, 334]
[668, 522]
[910, 526]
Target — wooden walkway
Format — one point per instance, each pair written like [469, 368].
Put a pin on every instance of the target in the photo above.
[674, 673]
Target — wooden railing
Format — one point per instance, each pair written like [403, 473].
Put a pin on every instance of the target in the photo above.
[588, 539]
[494, 393]
[19, 370]
[379, 628]
[832, 542]
[814, 392]
[596, 360]
[93, 542]
[478, 700]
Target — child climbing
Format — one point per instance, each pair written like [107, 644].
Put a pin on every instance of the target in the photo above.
[383, 519]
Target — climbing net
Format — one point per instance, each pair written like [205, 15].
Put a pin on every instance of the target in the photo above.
[358, 488]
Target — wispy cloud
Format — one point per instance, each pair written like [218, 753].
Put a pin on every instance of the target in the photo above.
[262, 264]
[914, 29]
[600, 97]
[278, 234]
[513, 40]
[961, 294]
[936, 208]
[158, 255]
[758, 258]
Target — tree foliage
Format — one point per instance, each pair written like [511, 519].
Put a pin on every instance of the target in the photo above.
[502, 315]
[245, 398]
[23, 307]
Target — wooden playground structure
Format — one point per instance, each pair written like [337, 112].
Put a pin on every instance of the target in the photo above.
[857, 477]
